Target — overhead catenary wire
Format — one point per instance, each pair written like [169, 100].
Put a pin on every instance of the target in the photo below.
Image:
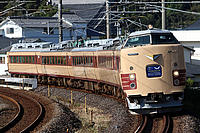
[158, 2]
[177, 10]
[100, 17]
[5, 11]
[2, 2]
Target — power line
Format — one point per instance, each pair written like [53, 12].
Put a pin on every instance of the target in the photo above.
[5, 11]
[2, 2]
[195, 13]
[140, 2]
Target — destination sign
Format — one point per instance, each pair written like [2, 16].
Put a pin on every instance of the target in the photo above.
[154, 71]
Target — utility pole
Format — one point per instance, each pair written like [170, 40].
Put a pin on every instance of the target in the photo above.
[107, 20]
[163, 14]
[60, 21]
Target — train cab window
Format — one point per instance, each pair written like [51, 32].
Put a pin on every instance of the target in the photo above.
[164, 38]
[137, 41]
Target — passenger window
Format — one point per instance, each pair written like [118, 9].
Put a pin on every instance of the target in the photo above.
[26, 59]
[50, 60]
[33, 59]
[14, 59]
[65, 60]
[43, 60]
[11, 59]
[59, 60]
[47, 60]
[17, 61]
[20, 59]
[56, 60]
[2, 60]
[30, 59]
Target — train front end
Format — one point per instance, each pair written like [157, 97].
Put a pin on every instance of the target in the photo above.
[153, 74]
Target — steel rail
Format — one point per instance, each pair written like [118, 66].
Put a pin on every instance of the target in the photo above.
[166, 124]
[16, 117]
[34, 123]
[142, 125]
[38, 119]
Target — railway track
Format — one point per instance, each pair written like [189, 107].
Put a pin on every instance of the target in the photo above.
[167, 124]
[9, 123]
[29, 114]
[149, 124]
[142, 125]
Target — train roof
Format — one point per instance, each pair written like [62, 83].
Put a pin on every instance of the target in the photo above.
[137, 33]
[69, 45]
[40, 46]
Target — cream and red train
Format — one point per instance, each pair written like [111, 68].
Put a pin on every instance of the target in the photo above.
[148, 70]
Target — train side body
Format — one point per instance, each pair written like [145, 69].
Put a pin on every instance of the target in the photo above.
[151, 77]
[105, 72]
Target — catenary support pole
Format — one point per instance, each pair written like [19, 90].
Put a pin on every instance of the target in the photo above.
[163, 14]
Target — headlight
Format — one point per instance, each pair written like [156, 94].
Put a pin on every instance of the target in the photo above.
[132, 76]
[176, 82]
[132, 85]
[176, 73]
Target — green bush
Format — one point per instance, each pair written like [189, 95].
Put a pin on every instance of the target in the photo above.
[189, 82]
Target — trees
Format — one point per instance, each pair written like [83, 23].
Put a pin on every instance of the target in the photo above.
[174, 19]
[37, 8]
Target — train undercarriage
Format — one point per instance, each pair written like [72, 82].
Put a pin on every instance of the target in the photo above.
[91, 86]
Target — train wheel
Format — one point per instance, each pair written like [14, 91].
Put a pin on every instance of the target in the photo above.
[97, 89]
[69, 82]
[119, 93]
[91, 86]
[86, 85]
[64, 82]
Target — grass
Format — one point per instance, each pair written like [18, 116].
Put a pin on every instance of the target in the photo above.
[99, 123]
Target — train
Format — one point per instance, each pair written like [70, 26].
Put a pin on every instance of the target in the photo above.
[147, 71]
